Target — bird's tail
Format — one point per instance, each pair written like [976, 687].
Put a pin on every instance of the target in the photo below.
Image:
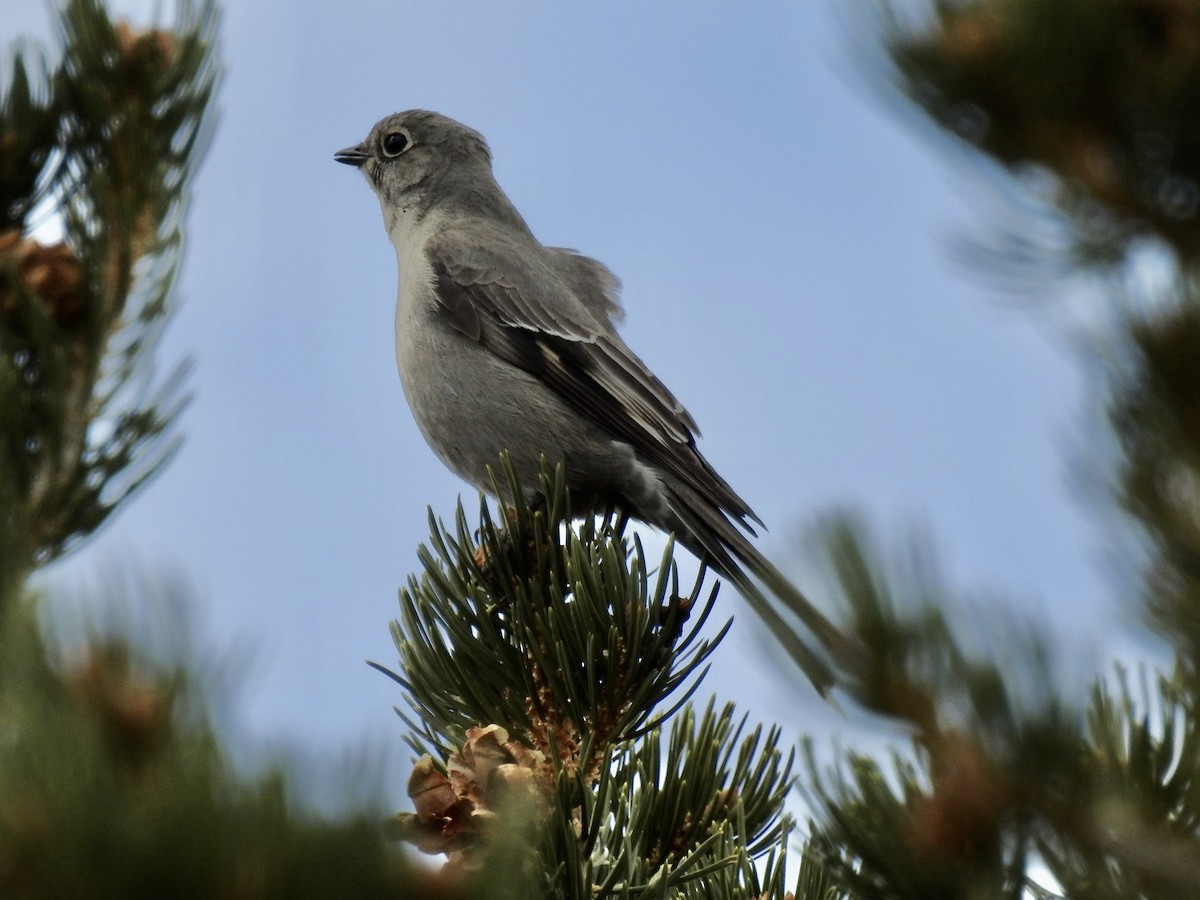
[711, 535]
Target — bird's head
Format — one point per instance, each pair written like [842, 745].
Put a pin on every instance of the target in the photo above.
[412, 157]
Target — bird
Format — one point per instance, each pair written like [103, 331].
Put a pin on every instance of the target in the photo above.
[504, 344]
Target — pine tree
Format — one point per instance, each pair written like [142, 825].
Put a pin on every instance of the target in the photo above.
[1089, 107]
[112, 781]
[550, 679]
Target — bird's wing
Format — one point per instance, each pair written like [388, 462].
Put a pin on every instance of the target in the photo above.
[525, 305]
[591, 281]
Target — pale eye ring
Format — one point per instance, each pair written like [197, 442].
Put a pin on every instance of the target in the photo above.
[396, 142]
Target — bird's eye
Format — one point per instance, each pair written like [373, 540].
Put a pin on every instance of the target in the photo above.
[396, 142]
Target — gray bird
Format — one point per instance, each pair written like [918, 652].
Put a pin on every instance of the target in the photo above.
[505, 344]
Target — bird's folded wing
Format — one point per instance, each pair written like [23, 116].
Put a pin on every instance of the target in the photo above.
[518, 303]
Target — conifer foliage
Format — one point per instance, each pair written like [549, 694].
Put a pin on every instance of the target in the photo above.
[107, 141]
[549, 675]
[1013, 787]
[112, 782]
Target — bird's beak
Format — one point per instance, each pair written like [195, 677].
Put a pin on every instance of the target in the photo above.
[352, 156]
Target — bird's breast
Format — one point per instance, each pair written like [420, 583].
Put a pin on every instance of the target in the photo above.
[440, 369]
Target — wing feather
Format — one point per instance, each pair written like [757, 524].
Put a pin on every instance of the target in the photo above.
[524, 309]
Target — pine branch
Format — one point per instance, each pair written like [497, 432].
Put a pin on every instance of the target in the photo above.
[1139, 838]
[998, 777]
[111, 138]
[28, 134]
[1153, 411]
[563, 639]
[1091, 103]
[112, 782]
[540, 668]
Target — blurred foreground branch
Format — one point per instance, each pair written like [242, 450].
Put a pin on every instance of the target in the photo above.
[1011, 787]
[113, 784]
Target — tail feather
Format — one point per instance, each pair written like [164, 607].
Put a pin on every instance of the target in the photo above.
[713, 537]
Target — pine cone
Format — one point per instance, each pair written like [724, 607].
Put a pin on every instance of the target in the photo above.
[49, 271]
[960, 818]
[150, 47]
[452, 809]
[133, 708]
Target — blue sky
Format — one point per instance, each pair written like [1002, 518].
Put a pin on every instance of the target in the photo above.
[782, 235]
